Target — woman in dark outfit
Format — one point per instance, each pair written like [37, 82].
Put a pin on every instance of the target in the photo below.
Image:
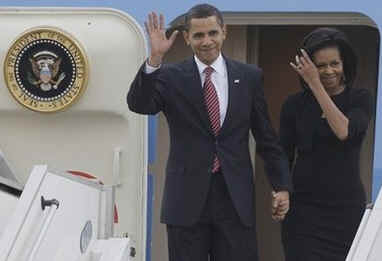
[321, 130]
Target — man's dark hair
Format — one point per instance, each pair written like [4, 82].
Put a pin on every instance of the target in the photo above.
[202, 11]
[330, 37]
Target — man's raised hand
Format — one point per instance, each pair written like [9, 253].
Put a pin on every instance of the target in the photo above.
[158, 40]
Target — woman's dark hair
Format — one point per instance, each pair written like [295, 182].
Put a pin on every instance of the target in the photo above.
[202, 11]
[330, 37]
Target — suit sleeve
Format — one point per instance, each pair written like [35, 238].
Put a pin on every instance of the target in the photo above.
[267, 144]
[146, 92]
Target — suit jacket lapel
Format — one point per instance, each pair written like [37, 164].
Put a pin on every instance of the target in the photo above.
[234, 76]
[194, 92]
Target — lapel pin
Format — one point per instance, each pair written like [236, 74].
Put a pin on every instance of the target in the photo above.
[236, 81]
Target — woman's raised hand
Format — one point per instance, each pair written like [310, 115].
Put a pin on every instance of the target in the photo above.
[306, 69]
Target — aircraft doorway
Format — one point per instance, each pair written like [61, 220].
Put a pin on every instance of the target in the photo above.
[271, 41]
[277, 47]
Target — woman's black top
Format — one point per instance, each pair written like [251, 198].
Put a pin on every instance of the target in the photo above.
[324, 168]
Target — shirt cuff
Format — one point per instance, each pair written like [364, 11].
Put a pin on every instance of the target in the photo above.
[150, 69]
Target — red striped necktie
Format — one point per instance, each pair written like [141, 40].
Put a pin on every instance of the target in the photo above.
[212, 104]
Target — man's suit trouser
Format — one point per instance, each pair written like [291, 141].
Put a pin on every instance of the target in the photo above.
[219, 234]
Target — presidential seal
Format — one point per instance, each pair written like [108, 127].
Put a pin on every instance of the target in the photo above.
[46, 70]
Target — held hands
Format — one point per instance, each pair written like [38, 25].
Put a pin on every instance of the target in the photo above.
[306, 69]
[158, 40]
[280, 205]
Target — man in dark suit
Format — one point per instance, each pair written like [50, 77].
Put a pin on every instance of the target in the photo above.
[211, 103]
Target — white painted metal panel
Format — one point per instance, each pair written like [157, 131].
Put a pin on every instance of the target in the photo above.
[7, 206]
[97, 134]
[67, 230]
[367, 243]
[68, 222]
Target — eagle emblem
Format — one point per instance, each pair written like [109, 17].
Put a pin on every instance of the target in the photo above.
[45, 71]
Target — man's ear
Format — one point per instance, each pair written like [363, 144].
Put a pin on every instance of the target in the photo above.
[224, 31]
[185, 36]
